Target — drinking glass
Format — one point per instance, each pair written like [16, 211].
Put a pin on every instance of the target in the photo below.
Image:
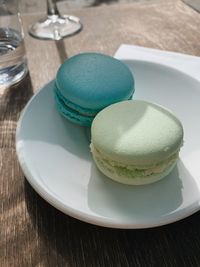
[13, 62]
[55, 26]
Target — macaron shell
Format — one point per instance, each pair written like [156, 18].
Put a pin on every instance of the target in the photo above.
[137, 132]
[93, 80]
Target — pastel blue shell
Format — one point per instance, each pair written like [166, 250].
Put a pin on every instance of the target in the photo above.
[94, 81]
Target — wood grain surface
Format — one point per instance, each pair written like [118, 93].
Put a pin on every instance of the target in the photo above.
[33, 233]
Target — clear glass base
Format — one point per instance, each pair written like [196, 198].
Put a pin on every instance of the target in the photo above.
[13, 74]
[55, 27]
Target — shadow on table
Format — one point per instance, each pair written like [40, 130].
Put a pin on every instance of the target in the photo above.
[14, 98]
[12, 101]
[68, 242]
[62, 52]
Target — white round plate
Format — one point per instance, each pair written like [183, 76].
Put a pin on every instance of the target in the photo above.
[55, 157]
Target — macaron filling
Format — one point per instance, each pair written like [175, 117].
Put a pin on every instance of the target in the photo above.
[71, 114]
[73, 111]
[75, 107]
[132, 171]
[68, 104]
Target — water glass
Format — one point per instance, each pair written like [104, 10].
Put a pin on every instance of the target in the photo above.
[13, 62]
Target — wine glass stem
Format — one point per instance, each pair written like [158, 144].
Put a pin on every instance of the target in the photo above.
[52, 9]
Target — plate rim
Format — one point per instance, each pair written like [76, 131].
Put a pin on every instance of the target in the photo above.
[51, 198]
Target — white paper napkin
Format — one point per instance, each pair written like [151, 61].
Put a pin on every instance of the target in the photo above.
[186, 63]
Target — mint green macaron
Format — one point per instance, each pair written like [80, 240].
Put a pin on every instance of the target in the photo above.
[136, 142]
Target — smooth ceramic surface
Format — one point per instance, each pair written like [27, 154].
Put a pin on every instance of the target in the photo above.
[55, 157]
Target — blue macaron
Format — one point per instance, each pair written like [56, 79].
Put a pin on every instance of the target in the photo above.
[88, 82]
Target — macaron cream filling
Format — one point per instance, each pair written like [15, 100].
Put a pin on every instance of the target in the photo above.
[132, 171]
[74, 107]
[84, 111]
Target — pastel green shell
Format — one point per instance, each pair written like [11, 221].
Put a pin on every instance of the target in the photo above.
[136, 132]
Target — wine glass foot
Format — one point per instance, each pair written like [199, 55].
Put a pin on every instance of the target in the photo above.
[55, 27]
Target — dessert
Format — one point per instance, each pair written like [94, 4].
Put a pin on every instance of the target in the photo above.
[136, 142]
[88, 82]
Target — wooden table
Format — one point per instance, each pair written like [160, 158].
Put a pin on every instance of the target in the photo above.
[33, 233]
